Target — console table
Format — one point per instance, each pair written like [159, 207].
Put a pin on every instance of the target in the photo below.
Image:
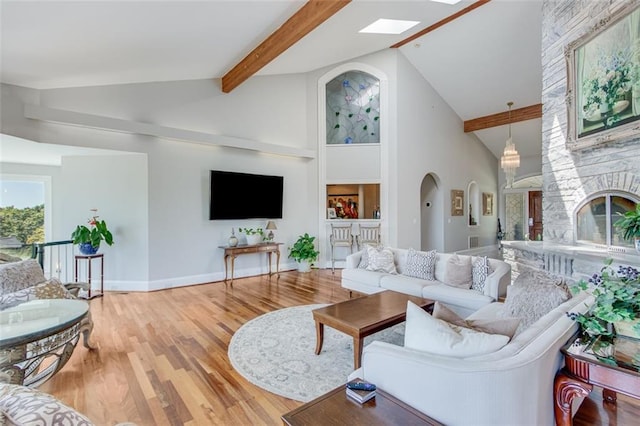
[230, 253]
[615, 369]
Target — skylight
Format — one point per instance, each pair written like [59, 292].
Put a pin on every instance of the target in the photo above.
[389, 26]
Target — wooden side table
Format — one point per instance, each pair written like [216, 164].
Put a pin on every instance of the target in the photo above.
[89, 260]
[618, 372]
[336, 408]
[230, 254]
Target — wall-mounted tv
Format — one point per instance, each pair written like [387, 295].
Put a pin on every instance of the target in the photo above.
[245, 196]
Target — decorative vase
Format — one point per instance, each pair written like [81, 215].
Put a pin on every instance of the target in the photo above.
[254, 239]
[625, 328]
[304, 266]
[87, 249]
[233, 240]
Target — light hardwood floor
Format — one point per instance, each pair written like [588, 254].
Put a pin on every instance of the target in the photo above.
[162, 357]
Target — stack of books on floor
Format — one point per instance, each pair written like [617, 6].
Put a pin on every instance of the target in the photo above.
[360, 390]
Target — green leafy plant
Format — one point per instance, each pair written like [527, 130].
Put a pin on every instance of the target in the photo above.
[617, 298]
[304, 249]
[251, 231]
[629, 224]
[94, 234]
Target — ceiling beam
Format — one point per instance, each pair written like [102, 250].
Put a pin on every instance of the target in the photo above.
[441, 23]
[305, 20]
[502, 118]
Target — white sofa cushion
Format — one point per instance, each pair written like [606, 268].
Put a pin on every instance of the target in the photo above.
[405, 284]
[421, 264]
[428, 334]
[381, 260]
[459, 271]
[456, 296]
[363, 276]
[505, 326]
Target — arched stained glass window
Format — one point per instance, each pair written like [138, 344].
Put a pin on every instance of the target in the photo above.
[353, 109]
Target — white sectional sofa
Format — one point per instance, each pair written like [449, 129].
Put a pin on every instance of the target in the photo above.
[512, 386]
[463, 301]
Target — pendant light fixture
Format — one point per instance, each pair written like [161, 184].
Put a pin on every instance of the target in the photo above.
[510, 160]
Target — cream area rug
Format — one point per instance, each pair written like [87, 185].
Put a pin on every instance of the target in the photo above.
[276, 351]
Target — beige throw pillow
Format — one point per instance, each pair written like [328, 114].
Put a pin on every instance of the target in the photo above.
[504, 326]
[459, 271]
[380, 260]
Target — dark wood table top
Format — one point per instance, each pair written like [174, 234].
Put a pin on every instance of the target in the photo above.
[336, 408]
[368, 314]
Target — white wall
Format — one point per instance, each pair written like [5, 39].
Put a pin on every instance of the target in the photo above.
[431, 140]
[182, 246]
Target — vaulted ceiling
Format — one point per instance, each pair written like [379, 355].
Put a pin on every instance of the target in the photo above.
[477, 62]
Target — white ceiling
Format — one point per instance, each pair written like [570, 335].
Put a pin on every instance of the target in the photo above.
[477, 62]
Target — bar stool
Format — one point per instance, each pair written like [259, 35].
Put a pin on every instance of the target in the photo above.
[340, 237]
[368, 234]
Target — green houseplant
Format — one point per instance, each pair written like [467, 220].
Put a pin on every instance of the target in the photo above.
[629, 224]
[254, 236]
[89, 238]
[304, 252]
[616, 309]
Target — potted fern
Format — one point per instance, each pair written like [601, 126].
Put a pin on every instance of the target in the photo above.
[304, 252]
[629, 224]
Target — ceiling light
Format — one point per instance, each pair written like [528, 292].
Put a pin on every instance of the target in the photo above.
[510, 160]
[447, 1]
[389, 26]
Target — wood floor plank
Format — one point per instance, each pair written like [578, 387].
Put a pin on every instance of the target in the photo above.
[162, 357]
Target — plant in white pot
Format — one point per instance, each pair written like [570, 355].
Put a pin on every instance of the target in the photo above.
[629, 225]
[254, 236]
[304, 252]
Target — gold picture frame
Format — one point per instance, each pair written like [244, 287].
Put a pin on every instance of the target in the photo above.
[457, 202]
[487, 204]
[603, 90]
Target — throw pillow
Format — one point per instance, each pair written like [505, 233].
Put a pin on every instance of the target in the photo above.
[364, 258]
[428, 334]
[51, 289]
[381, 260]
[504, 326]
[421, 265]
[480, 270]
[22, 405]
[19, 275]
[532, 296]
[459, 271]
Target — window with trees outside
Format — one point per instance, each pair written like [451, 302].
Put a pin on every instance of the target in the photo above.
[596, 217]
[22, 215]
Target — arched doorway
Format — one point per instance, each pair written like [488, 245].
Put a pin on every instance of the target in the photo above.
[432, 210]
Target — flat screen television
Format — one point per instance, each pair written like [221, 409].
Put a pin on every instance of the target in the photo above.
[245, 196]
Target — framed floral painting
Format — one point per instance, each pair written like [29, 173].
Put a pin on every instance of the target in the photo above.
[603, 82]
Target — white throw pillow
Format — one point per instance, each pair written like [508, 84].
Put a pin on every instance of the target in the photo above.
[459, 271]
[420, 264]
[505, 326]
[381, 260]
[428, 334]
[479, 272]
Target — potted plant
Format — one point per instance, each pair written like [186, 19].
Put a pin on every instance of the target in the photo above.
[629, 224]
[304, 252]
[89, 238]
[254, 236]
[616, 309]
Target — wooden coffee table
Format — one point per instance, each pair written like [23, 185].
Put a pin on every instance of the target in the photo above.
[336, 408]
[364, 316]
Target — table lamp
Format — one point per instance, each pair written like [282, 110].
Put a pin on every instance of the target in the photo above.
[271, 225]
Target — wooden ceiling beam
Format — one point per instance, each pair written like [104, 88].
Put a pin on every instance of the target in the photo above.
[305, 20]
[502, 118]
[442, 22]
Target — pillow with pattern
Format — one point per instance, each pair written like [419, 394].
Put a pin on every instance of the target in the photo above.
[364, 259]
[480, 270]
[381, 260]
[51, 289]
[421, 264]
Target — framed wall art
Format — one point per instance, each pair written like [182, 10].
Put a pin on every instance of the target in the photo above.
[487, 204]
[603, 81]
[457, 202]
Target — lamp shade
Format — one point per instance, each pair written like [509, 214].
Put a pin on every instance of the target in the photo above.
[271, 225]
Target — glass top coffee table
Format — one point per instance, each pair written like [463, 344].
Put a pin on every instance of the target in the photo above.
[37, 338]
[364, 316]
